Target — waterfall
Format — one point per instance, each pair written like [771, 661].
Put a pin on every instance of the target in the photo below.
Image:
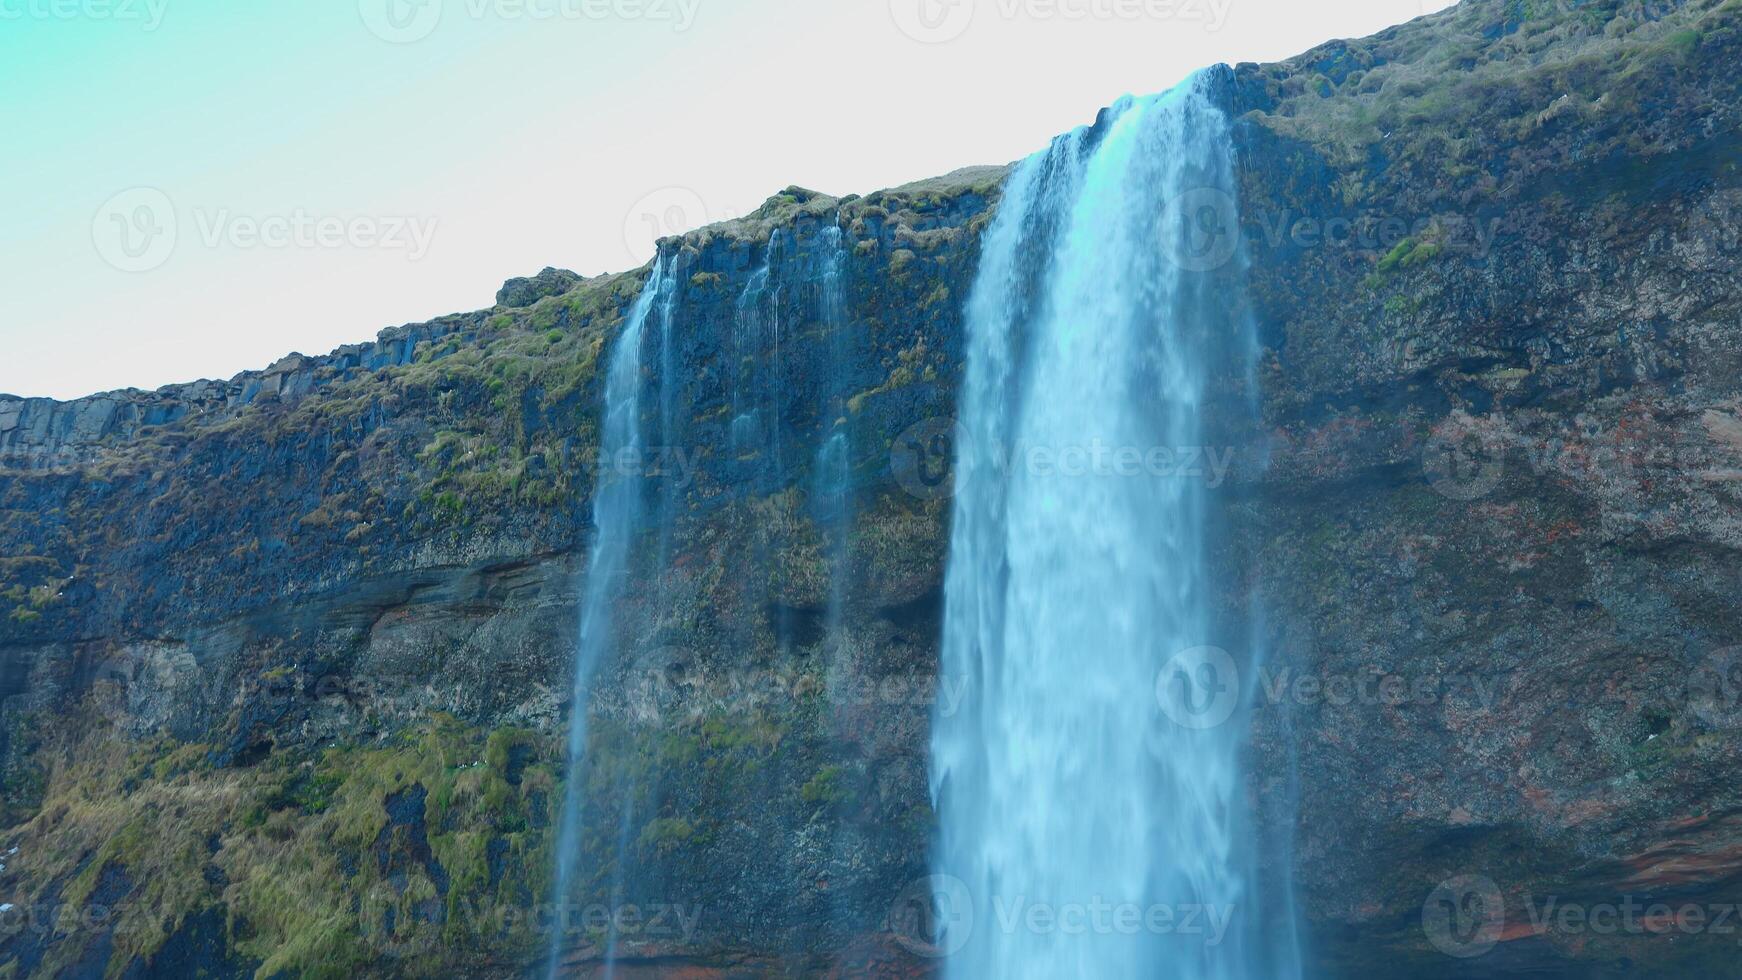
[616, 518]
[1081, 822]
[832, 490]
[756, 383]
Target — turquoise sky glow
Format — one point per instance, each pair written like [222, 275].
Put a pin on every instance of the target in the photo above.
[197, 187]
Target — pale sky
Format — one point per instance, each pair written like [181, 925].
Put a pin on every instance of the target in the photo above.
[192, 188]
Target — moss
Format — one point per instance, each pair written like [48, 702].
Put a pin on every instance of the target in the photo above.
[299, 840]
[907, 369]
[503, 746]
[1401, 305]
[825, 787]
[1422, 254]
[1395, 257]
[449, 505]
[1439, 94]
[1682, 43]
[188, 758]
[666, 833]
[1409, 253]
[466, 804]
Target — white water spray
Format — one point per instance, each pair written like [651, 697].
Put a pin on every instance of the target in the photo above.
[1084, 833]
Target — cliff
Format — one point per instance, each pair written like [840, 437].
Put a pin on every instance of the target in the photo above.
[284, 660]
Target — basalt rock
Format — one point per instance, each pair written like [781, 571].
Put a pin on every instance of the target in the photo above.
[284, 660]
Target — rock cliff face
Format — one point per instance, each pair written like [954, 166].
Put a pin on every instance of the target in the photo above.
[284, 660]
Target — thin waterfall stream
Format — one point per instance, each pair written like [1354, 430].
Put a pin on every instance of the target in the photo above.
[616, 519]
[832, 486]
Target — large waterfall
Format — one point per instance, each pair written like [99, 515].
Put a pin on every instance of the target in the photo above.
[1088, 791]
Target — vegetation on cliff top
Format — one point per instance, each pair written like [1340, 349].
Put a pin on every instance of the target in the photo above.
[1477, 98]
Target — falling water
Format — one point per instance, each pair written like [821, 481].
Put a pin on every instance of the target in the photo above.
[1062, 784]
[832, 492]
[756, 374]
[616, 517]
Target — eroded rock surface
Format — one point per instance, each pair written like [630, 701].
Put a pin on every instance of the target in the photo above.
[285, 660]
